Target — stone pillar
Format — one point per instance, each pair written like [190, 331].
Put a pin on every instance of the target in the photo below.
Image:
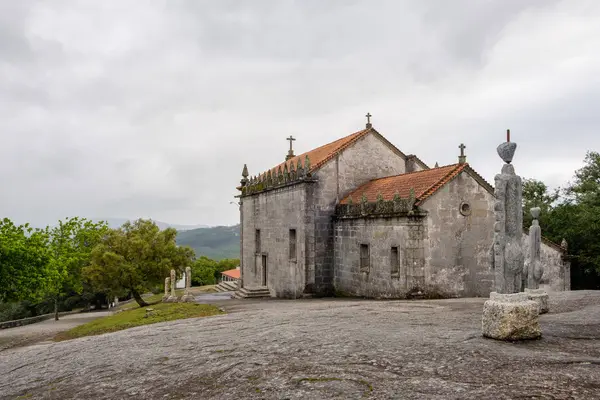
[508, 258]
[188, 296]
[173, 297]
[166, 295]
[535, 268]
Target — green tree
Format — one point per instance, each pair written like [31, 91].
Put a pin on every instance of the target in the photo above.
[70, 246]
[536, 194]
[203, 271]
[24, 262]
[136, 258]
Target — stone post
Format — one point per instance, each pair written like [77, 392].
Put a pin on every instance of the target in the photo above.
[173, 297]
[166, 296]
[187, 295]
[535, 268]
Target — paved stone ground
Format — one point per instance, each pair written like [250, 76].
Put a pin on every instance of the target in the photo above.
[45, 330]
[322, 349]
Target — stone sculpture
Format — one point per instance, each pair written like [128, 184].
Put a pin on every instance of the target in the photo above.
[509, 315]
[535, 269]
[173, 297]
[187, 295]
[507, 257]
[166, 295]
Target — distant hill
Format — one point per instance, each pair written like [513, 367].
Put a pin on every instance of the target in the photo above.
[117, 222]
[217, 242]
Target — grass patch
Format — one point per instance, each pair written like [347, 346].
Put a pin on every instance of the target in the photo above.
[139, 316]
[156, 298]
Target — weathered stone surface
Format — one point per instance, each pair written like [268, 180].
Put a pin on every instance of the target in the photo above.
[540, 297]
[321, 349]
[506, 151]
[510, 317]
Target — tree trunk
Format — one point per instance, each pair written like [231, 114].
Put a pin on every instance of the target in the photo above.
[56, 308]
[138, 298]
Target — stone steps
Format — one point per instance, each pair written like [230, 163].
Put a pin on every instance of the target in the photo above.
[227, 286]
[252, 293]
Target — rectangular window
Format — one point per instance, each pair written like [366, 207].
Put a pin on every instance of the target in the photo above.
[292, 244]
[395, 263]
[257, 241]
[364, 258]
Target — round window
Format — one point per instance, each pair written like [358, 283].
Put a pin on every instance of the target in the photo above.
[465, 208]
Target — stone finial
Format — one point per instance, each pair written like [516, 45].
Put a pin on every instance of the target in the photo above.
[564, 244]
[506, 150]
[363, 199]
[307, 165]
[286, 174]
[462, 158]
[279, 175]
[293, 175]
[436, 165]
[299, 169]
[379, 197]
[396, 197]
[350, 200]
[244, 180]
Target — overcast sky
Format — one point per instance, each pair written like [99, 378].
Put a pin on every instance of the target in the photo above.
[131, 108]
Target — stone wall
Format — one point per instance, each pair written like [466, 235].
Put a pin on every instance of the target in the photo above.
[367, 159]
[380, 234]
[274, 213]
[457, 251]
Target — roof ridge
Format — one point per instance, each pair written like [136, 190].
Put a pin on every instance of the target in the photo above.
[415, 172]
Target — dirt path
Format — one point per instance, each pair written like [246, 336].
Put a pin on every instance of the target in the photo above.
[45, 330]
[322, 349]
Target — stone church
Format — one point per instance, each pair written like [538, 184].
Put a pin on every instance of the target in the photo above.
[359, 217]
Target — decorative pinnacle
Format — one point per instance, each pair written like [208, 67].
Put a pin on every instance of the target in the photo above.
[244, 180]
[462, 158]
[290, 153]
[369, 120]
[436, 165]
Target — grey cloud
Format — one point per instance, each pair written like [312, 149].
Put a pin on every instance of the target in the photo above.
[112, 109]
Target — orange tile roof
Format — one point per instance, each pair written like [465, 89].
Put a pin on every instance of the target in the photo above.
[232, 273]
[424, 183]
[321, 155]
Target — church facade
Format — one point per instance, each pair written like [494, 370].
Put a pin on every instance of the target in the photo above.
[359, 217]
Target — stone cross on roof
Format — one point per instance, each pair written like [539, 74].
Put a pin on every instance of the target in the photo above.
[291, 152]
[369, 120]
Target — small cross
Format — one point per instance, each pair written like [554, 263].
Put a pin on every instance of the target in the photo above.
[368, 119]
[291, 139]
[462, 148]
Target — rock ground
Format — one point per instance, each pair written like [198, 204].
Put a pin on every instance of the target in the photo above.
[322, 349]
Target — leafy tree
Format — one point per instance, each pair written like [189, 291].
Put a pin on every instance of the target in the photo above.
[536, 194]
[70, 246]
[203, 271]
[135, 258]
[24, 262]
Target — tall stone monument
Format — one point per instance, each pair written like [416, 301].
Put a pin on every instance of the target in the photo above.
[508, 258]
[535, 268]
[166, 296]
[508, 314]
[173, 297]
[188, 296]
